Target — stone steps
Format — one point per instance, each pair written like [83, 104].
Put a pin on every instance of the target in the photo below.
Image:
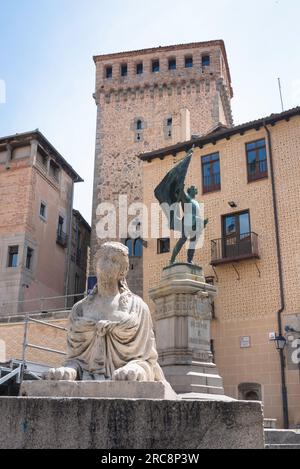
[216, 390]
[282, 439]
[282, 446]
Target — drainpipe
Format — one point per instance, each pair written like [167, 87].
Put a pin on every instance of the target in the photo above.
[281, 283]
[69, 245]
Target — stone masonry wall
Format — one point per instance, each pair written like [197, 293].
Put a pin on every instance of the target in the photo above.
[152, 98]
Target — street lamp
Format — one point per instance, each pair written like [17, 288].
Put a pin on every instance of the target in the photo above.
[280, 342]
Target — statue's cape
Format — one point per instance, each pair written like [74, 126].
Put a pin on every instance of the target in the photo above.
[103, 347]
[170, 188]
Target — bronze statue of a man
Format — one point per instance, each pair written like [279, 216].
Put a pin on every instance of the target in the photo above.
[170, 192]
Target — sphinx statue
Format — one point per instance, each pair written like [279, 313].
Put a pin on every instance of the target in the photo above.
[110, 335]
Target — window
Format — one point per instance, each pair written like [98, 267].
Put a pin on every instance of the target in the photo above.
[76, 284]
[237, 235]
[139, 124]
[172, 64]
[138, 248]
[77, 288]
[237, 243]
[139, 68]
[42, 159]
[139, 127]
[188, 62]
[155, 66]
[43, 210]
[78, 248]
[108, 72]
[124, 70]
[211, 176]
[257, 164]
[61, 236]
[60, 226]
[13, 252]
[128, 243]
[163, 245]
[29, 256]
[250, 391]
[54, 170]
[205, 61]
[168, 129]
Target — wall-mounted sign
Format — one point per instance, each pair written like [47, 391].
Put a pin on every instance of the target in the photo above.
[245, 342]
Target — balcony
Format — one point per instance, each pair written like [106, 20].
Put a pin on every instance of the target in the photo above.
[62, 238]
[234, 248]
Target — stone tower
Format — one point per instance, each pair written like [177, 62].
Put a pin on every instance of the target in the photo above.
[149, 99]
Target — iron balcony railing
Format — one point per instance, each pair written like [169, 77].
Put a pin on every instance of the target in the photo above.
[62, 238]
[234, 248]
[257, 170]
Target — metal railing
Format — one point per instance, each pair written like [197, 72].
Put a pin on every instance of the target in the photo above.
[234, 247]
[40, 305]
[61, 238]
[10, 374]
[28, 345]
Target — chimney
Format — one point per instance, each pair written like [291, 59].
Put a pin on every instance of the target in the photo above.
[185, 121]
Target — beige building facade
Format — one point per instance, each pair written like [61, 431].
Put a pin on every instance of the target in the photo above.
[36, 202]
[148, 99]
[78, 259]
[248, 180]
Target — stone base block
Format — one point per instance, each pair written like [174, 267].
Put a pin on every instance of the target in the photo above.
[194, 379]
[98, 389]
[197, 396]
[71, 423]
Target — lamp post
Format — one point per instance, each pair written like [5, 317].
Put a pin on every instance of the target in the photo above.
[280, 342]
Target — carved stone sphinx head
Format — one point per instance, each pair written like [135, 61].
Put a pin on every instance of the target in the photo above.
[112, 264]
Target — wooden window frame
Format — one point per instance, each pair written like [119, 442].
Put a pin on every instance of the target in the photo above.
[172, 60]
[213, 187]
[258, 174]
[158, 246]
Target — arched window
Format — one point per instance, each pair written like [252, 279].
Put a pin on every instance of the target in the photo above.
[252, 396]
[250, 392]
[128, 243]
[138, 248]
[139, 125]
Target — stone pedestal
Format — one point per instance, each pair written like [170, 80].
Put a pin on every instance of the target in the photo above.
[183, 317]
[98, 389]
[125, 424]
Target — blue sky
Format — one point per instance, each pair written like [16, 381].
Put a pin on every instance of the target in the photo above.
[46, 49]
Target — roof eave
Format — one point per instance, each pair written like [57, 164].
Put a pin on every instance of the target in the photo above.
[213, 138]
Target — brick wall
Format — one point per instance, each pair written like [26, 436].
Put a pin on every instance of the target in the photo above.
[248, 297]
